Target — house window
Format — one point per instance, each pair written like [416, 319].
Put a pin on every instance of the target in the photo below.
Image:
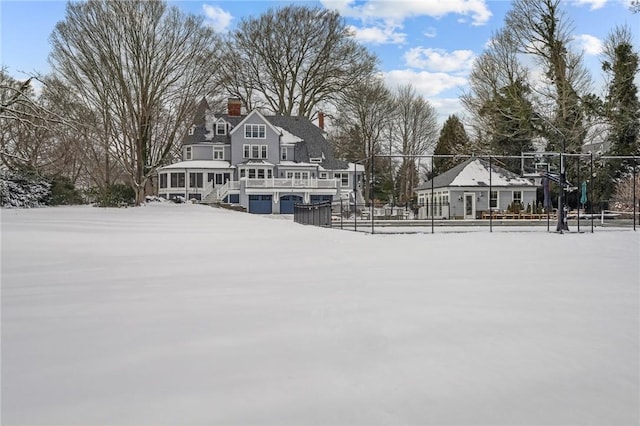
[243, 173]
[283, 153]
[269, 173]
[192, 130]
[322, 175]
[210, 177]
[219, 179]
[221, 128]
[254, 131]
[517, 197]
[195, 180]
[187, 153]
[255, 151]
[260, 173]
[163, 180]
[297, 175]
[177, 180]
[218, 153]
[252, 173]
[344, 178]
[493, 203]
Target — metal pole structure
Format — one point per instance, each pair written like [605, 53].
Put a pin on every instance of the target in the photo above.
[371, 192]
[490, 188]
[546, 208]
[635, 201]
[355, 197]
[591, 177]
[579, 197]
[561, 225]
[341, 214]
[432, 212]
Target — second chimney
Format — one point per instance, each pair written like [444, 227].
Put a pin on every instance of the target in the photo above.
[234, 107]
[321, 119]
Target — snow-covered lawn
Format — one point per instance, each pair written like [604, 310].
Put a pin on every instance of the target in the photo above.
[184, 314]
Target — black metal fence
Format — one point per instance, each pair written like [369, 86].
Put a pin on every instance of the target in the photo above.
[317, 214]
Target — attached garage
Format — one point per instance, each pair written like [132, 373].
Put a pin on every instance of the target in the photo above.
[320, 198]
[287, 202]
[260, 204]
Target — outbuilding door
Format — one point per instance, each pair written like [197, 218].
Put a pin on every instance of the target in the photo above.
[469, 206]
[260, 204]
[287, 202]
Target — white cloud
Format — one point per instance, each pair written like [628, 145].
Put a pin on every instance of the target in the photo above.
[595, 4]
[590, 44]
[217, 17]
[431, 32]
[426, 83]
[379, 35]
[439, 59]
[477, 10]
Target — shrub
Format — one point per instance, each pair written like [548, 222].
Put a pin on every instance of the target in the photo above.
[114, 195]
[23, 189]
[63, 192]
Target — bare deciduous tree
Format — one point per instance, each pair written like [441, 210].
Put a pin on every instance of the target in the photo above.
[139, 66]
[293, 60]
[365, 112]
[544, 33]
[415, 127]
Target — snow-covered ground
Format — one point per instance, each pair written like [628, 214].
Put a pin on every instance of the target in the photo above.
[184, 314]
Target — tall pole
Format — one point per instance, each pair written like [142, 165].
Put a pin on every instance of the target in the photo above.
[371, 191]
[490, 188]
[591, 178]
[634, 193]
[562, 224]
[432, 206]
[355, 197]
[579, 197]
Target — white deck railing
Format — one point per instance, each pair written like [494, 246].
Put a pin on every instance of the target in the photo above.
[291, 183]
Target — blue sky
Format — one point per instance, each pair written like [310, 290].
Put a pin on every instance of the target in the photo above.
[430, 44]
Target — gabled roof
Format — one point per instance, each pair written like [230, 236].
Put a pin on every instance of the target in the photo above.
[313, 144]
[475, 172]
[252, 113]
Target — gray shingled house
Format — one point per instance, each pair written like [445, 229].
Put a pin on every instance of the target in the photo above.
[263, 163]
[466, 191]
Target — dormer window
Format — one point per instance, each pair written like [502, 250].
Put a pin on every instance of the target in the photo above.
[187, 153]
[316, 160]
[221, 128]
[192, 129]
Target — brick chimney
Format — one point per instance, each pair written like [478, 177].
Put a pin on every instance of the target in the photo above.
[321, 120]
[234, 107]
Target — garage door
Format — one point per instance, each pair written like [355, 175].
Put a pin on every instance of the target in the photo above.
[287, 202]
[320, 198]
[260, 204]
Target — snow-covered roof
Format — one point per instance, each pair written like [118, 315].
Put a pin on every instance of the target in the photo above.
[475, 172]
[199, 164]
[294, 164]
[288, 137]
[256, 163]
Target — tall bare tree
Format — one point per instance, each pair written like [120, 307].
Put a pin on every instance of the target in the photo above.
[415, 130]
[365, 111]
[139, 65]
[544, 32]
[293, 60]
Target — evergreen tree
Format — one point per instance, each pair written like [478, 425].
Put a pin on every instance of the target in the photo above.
[453, 141]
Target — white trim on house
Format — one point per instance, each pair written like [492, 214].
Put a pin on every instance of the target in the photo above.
[243, 122]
